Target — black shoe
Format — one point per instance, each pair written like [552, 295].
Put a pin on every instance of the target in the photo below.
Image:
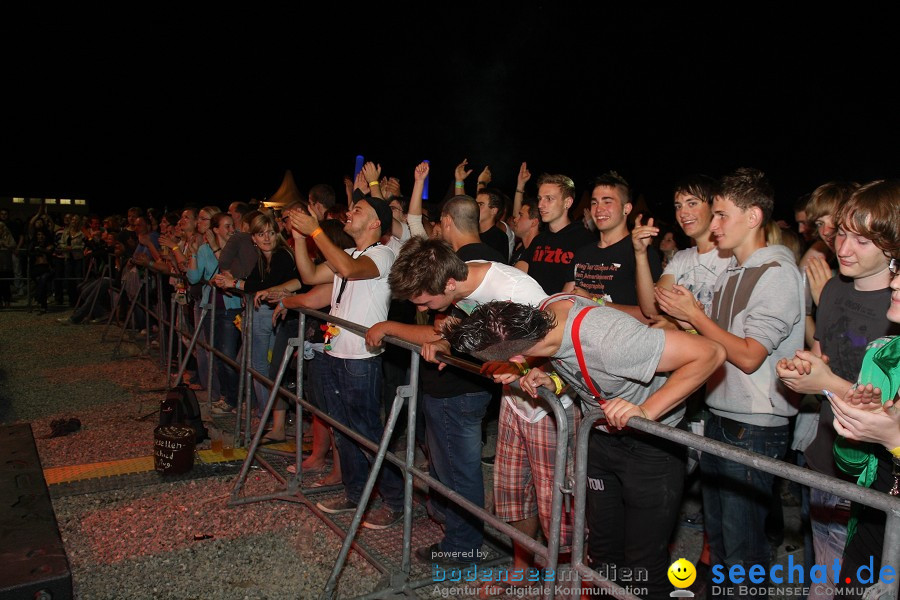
[488, 461]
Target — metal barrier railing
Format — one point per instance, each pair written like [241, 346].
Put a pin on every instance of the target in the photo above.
[579, 569]
[780, 468]
[399, 581]
[24, 281]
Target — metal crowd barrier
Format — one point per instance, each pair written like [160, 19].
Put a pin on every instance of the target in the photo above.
[399, 581]
[780, 468]
[578, 570]
[24, 280]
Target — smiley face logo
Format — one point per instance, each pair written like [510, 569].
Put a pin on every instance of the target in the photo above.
[682, 573]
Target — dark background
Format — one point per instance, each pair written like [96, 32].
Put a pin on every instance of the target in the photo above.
[163, 105]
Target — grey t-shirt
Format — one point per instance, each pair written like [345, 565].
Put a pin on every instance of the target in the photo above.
[620, 352]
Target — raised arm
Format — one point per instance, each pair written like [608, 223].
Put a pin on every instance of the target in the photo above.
[484, 179]
[310, 273]
[414, 214]
[336, 260]
[372, 174]
[521, 179]
[460, 173]
[641, 237]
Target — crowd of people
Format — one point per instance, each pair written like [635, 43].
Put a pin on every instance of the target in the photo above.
[44, 256]
[776, 340]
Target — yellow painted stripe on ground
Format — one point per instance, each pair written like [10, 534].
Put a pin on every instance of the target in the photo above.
[54, 475]
[208, 456]
[102, 469]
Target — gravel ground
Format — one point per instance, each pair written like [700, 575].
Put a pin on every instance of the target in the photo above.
[139, 542]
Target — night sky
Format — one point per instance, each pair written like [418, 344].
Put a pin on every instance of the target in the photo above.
[160, 109]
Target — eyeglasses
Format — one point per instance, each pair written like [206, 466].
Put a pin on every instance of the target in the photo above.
[894, 266]
[267, 233]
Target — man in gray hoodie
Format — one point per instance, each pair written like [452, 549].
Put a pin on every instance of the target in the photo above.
[757, 315]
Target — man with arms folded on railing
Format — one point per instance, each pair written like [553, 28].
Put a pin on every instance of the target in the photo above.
[454, 401]
[353, 375]
[640, 372]
[757, 315]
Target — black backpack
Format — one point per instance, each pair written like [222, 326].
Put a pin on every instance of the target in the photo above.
[180, 406]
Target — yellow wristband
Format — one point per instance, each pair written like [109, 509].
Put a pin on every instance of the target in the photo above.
[643, 412]
[693, 331]
[557, 381]
[599, 300]
[316, 232]
[895, 452]
[174, 248]
[371, 183]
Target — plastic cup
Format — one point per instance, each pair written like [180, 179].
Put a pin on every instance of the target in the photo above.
[228, 445]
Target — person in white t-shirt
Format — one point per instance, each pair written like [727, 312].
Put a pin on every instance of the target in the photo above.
[432, 276]
[352, 385]
[695, 268]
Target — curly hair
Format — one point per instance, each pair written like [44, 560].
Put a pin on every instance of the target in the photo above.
[488, 331]
[424, 266]
[873, 211]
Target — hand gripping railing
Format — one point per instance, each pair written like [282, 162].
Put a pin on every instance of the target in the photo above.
[399, 581]
[780, 468]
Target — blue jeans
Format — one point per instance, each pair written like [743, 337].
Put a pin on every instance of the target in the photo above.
[263, 340]
[228, 342]
[736, 498]
[453, 430]
[828, 517]
[352, 391]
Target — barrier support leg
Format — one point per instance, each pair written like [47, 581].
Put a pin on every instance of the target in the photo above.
[366, 496]
[129, 317]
